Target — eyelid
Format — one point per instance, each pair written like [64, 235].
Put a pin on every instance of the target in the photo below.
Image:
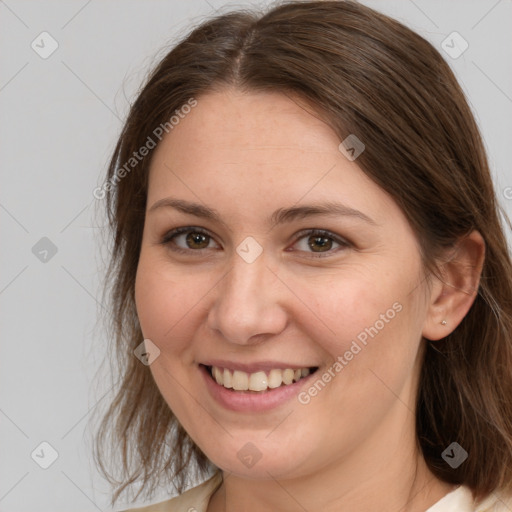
[344, 243]
[173, 233]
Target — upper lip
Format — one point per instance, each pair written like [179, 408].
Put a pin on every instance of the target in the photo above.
[260, 366]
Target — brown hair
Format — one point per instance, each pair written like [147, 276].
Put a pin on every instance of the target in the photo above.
[366, 74]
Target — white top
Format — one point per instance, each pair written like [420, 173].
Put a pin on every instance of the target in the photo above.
[458, 500]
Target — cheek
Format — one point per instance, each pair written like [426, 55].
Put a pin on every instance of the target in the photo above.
[172, 306]
[366, 322]
[165, 307]
[372, 354]
[162, 301]
[351, 305]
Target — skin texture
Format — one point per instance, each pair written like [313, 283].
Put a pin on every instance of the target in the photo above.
[353, 446]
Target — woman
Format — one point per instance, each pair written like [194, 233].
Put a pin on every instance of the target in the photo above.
[312, 292]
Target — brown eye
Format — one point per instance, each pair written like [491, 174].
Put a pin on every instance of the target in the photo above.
[187, 239]
[196, 240]
[322, 243]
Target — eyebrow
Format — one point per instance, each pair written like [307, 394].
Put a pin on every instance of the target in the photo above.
[280, 216]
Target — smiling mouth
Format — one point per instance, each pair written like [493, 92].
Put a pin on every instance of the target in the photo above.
[261, 381]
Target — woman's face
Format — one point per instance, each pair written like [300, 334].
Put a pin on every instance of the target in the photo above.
[254, 290]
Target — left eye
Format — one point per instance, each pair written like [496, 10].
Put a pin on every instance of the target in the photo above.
[319, 241]
[322, 240]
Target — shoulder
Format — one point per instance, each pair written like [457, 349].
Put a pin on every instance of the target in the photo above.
[461, 500]
[193, 500]
[497, 501]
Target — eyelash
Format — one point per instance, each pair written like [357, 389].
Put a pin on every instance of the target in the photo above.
[168, 238]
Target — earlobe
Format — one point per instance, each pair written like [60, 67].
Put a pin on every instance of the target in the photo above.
[452, 297]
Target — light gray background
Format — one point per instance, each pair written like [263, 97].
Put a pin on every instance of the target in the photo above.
[60, 120]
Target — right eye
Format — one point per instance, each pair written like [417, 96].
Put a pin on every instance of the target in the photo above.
[194, 239]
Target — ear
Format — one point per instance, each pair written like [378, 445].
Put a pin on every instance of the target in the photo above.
[451, 298]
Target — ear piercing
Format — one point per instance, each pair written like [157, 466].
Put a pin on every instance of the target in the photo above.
[444, 322]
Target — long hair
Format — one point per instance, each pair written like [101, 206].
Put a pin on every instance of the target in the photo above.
[366, 74]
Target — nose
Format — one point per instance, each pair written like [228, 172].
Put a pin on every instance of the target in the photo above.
[247, 306]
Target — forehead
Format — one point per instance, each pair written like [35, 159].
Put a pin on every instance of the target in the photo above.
[259, 151]
[229, 121]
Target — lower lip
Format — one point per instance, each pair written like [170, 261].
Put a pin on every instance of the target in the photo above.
[251, 401]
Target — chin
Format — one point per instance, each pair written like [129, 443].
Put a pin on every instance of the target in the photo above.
[260, 460]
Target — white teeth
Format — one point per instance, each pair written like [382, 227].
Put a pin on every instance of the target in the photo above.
[288, 376]
[258, 381]
[217, 375]
[240, 381]
[227, 379]
[275, 378]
